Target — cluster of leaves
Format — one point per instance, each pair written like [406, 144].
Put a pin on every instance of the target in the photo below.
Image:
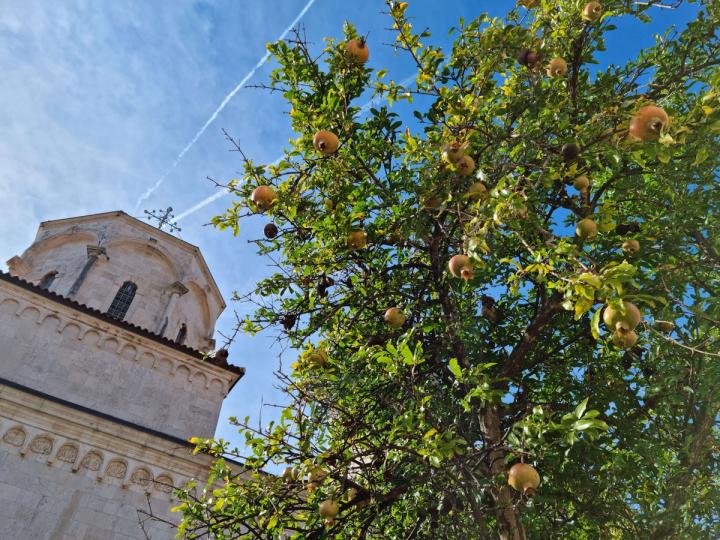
[413, 429]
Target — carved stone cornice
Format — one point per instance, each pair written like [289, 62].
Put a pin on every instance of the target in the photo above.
[61, 437]
[176, 288]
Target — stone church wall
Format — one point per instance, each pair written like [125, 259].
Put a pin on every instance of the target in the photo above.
[95, 411]
[67, 475]
[76, 357]
[41, 503]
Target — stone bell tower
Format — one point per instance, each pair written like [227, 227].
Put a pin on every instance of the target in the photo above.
[107, 367]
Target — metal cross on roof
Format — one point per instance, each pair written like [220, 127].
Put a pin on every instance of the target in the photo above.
[164, 219]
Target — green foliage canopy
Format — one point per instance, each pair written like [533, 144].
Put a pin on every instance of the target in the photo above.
[412, 430]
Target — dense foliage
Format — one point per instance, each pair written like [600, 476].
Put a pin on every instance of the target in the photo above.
[411, 425]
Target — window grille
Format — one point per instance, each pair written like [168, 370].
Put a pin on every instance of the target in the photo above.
[121, 303]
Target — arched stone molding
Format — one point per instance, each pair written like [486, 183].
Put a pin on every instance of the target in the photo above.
[129, 352]
[51, 321]
[92, 462]
[42, 445]
[218, 386]
[67, 454]
[182, 373]
[91, 337]
[9, 306]
[164, 483]
[164, 365]
[15, 436]
[30, 434]
[73, 355]
[147, 359]
[155, 250]
[199, 381]
[71, 329]
[125, 472]
[48, 243]
[30, 313]
[116, 469]
[141, 477]
[111, 344]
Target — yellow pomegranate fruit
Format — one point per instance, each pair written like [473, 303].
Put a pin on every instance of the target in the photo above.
[586, 229]
[628, 318]
[624, 338]
[581, 183]
[311, 487]
[461, 267]
[648, 123]
[394, 317]
[317, 476]
[665, 326]
[477, 192]
[316, 358]
[557, 68]
[325, 142]
[524, 478]
[592, 11]
[453, 152]
[358, 50]
[465, 166]
[263, 197]
[290, 474]
[429, 201]
[631, 246]
[357, 240]
[329, 509]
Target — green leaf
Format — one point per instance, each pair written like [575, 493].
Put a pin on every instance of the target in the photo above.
[588, 423]
[702, 155]
[591, 279]
[580, 409]
[595, 324]
[582, 306]
[455, 368]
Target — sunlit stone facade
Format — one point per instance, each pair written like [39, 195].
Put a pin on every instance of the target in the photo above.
[104, 326]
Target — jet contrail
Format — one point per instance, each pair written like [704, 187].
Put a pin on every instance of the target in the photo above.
[215, 196]
[222, 105]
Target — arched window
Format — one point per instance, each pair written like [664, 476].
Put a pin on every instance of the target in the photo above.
[47, 280]
[182, 334]
[122, 301]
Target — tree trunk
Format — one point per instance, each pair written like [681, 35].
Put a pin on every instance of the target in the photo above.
[510, 525]
[508, 515]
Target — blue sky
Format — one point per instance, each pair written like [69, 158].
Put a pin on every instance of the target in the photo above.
[98, 99]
